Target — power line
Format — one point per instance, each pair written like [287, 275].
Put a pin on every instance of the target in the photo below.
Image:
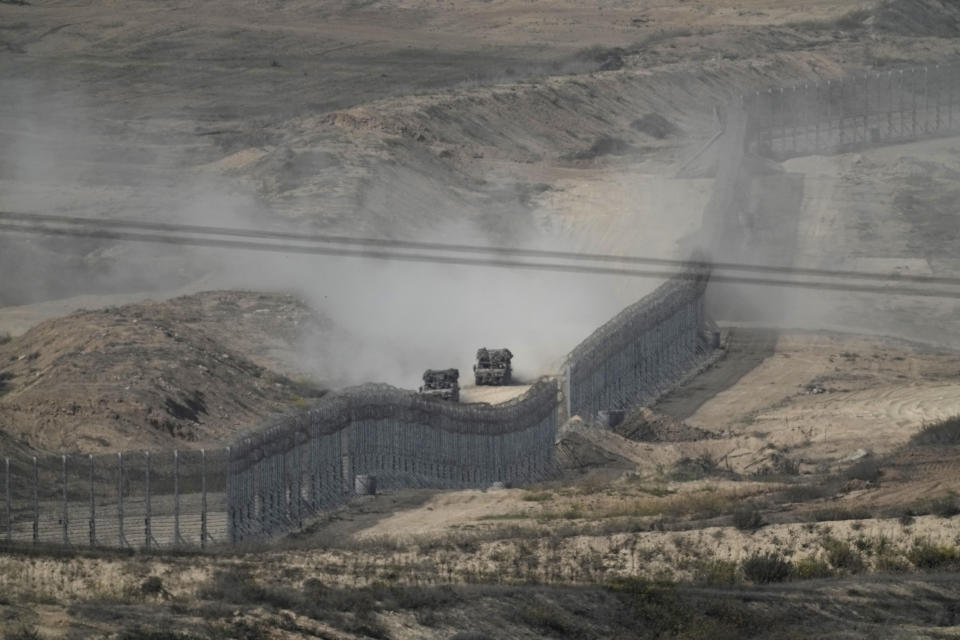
[288, 248]
[387, 243]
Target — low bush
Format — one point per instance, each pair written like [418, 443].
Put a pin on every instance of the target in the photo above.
[655, 125]
[717, 572]
[927, 555]
[841, 555]
[867, 470]
[944, 432]
[689, 469]
[747, 519]
[539, 496]
[152, 586]
[810, 567]
[766, 568]
[807, 492]
[22, 632]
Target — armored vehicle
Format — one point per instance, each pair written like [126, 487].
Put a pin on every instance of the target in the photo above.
[441, 383]
[493, 366]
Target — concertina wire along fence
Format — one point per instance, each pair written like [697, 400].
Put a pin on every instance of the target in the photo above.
[865, 109]
[270, 482]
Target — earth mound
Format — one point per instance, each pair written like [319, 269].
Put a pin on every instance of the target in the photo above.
[646, 425]
[189, 372]
[938, 18]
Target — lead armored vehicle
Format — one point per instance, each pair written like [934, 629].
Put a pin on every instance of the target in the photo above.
[493, 367]
[443, 384]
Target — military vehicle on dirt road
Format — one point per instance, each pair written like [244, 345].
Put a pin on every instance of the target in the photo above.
[443, 384]
[493, 367]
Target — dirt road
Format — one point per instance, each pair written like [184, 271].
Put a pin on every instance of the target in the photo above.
[745, 350]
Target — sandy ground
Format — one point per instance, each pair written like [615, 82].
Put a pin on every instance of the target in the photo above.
[888, 210]
[492, 395]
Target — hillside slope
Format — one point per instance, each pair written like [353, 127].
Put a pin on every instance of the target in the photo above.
[189, 372]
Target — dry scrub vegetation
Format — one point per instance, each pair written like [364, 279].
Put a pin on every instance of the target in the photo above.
[614, 556]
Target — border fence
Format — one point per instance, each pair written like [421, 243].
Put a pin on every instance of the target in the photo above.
[309, 462]
[270, 482]
[143, 500]
[857, 111]
[642, 350]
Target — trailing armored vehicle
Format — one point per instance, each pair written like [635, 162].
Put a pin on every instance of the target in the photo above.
[441, 383]
[493, 367]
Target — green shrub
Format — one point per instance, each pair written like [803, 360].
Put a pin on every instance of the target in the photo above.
[841, 555]
[945, 432]
[766, 568]
[927, 555]
[810, 567]
[716, 572]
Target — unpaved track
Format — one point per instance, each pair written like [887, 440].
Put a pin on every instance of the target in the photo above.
[745, 350]
[877, 600]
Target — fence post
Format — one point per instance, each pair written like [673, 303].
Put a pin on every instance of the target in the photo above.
[866, 110]
[913, 102]
[203, 498]
[952, 76]
[890, 107]
[297, 470]
[93, 507]
[176, 498]
[147, 533]
[121, 538]
[939, 98]
[36, 501]
[6, 475]
[64, 517]
[231, 508]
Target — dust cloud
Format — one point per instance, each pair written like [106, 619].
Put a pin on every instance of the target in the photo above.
[392, 319]
[395, 319]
